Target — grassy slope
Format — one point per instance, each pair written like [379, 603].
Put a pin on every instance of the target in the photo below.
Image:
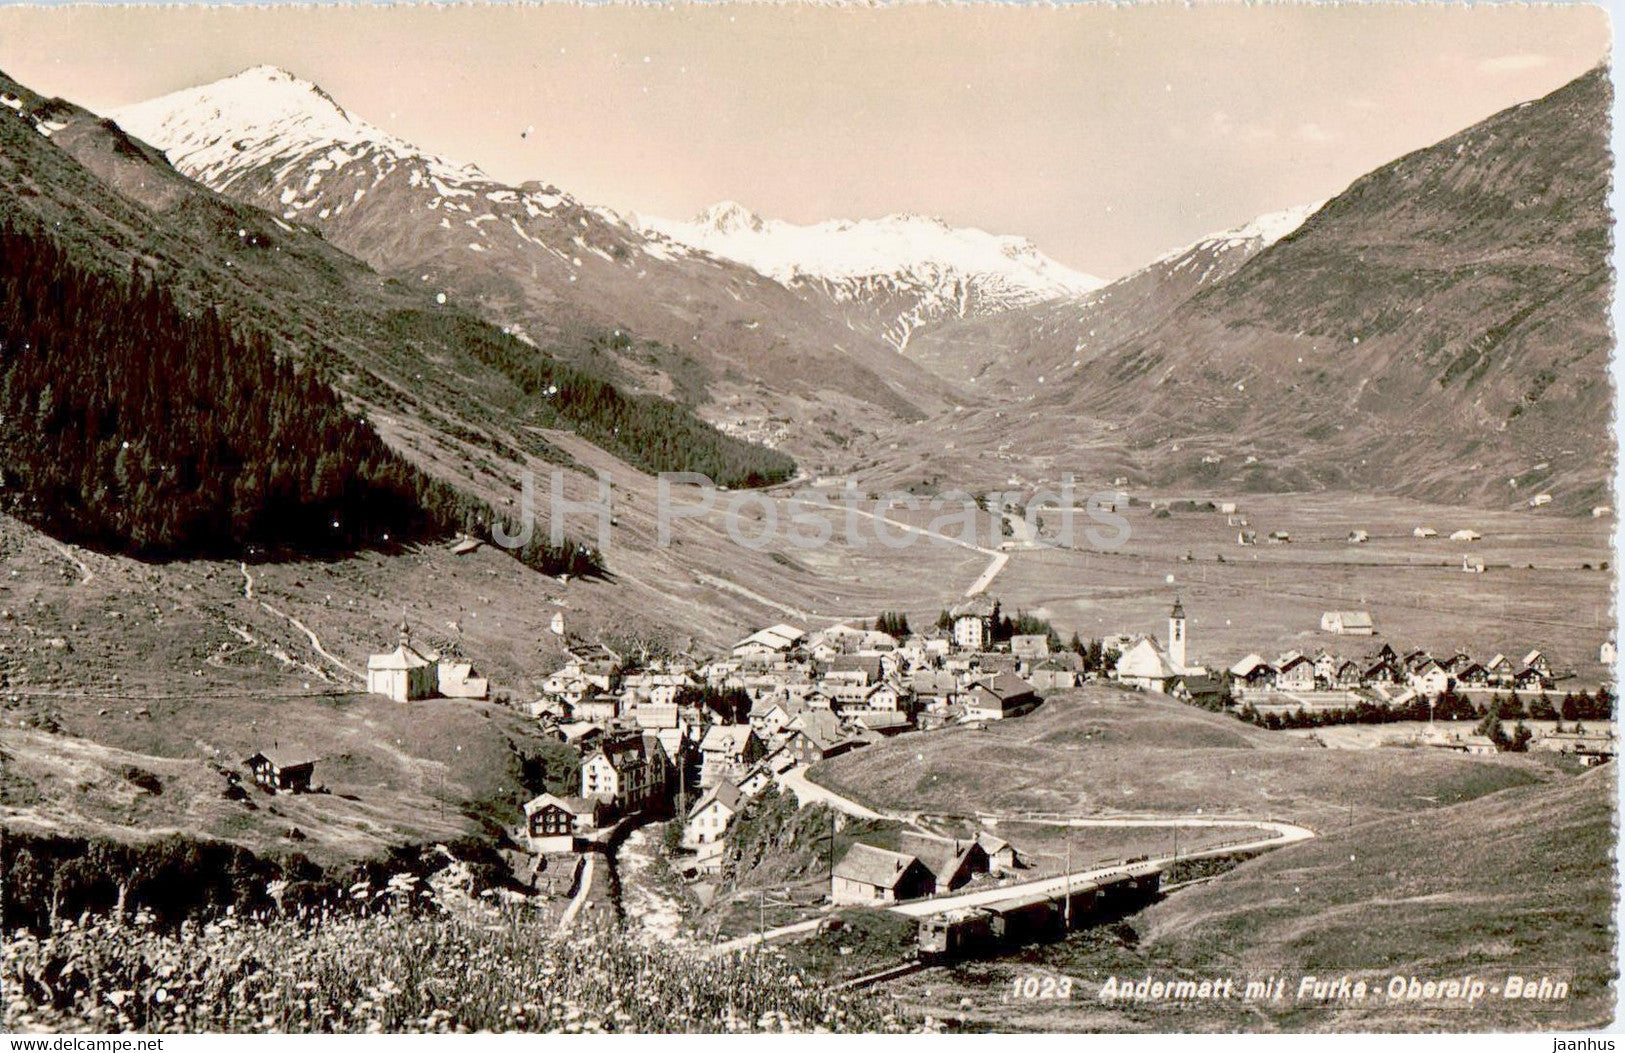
[1436, 329]
[1518, 882]
[1100, 750]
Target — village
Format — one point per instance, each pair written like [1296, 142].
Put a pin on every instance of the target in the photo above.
[694, 740]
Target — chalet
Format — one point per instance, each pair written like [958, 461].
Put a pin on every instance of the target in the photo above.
[1006, 695]
[973, 623]
[887, 696]
[1348, 623]
[1001, 854]
[626, 771]
[817, 737]
[1472, 674]
[1424, 532]
[1295, 672]
[709, 818]
[1382, 668]
[867, 874]
[1348, 674]
[768, 716]
[279, 772]
[1254, 672]
[953, 863]
[552, 822]
[403, 674]
[1466, 535]
[1429, 678]
[727, 751]
[1500, 670]
[1533, 679]
[1455, 662]
[1326, 665]
[1030, 646]
[1416, 659]
[1537, 661]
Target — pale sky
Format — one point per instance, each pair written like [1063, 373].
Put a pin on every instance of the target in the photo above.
[1107, 135]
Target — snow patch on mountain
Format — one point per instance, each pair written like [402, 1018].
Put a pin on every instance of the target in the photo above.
[1256, 234]
[842, 250]
[918, 269]
[266, 115]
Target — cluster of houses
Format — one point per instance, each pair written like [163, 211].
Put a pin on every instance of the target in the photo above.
[1419, 671]
[717, 731]
[922, 865]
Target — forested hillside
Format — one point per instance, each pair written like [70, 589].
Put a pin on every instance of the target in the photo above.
[135, 426]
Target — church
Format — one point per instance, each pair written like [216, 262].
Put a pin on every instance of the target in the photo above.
[1147, 666]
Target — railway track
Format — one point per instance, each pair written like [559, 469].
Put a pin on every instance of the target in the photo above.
[880, 976]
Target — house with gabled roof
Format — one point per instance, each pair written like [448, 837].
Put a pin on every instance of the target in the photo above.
[627, 771]
[727, 751]
[952, 862]
[869, 875]
[553, 822]
[1004, 695]
[708, 820]
[1295, 672]
[281, 771]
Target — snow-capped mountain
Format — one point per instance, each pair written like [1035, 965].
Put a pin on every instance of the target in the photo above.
[913, 270]
[1250, 238]
[557, 271]
[1047, 341]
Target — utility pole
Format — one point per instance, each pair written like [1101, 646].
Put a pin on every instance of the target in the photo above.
[829, 855]
[1066, 902]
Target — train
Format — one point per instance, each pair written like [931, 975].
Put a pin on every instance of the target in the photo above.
[1035, 917]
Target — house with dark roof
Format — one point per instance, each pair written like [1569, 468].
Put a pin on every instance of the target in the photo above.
[277, 771]
[552, 822]
[952, 862]
[1005, 695]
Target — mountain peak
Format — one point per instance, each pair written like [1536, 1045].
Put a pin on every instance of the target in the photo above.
[258, 102]
[728, 217]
